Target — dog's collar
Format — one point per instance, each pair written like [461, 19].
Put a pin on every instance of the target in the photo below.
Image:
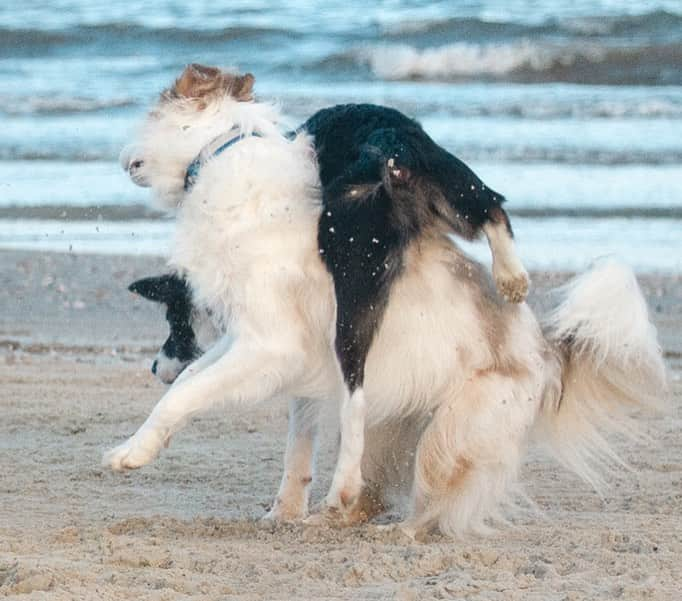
[215, 147]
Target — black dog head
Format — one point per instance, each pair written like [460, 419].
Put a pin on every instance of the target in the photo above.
[180, 348]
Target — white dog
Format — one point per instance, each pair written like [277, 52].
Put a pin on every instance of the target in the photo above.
[455, 380]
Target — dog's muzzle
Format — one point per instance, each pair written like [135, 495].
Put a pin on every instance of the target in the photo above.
[167, 369]
[133, 163]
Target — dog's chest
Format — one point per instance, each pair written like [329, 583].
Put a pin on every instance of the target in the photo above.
[214, 258]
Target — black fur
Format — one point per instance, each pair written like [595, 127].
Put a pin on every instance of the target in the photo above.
[173, 291]
[384, 182]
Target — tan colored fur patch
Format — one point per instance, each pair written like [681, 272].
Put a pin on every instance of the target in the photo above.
[492, 310]
[199, 81]
[439, 473]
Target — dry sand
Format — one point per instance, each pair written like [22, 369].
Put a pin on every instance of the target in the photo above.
[75, 349]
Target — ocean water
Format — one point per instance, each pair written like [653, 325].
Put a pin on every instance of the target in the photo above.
[572, 109]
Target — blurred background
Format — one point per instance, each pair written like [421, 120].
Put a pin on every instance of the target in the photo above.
[570, 108]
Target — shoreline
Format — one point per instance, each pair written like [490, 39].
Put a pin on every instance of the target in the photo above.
[135, 212]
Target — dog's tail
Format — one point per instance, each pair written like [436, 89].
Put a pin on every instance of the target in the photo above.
[611, 364]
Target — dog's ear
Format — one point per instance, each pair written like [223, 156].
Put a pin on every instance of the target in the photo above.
[242, 87]
[161, 289]
[196, 81]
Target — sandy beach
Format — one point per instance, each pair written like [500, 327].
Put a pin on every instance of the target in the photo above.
[75, 351]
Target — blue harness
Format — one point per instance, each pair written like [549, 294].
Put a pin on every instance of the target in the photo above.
[194, 168]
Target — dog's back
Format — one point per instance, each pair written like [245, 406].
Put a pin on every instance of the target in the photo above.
[344, 133]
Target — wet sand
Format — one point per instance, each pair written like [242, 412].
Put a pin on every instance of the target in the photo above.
[75, 350]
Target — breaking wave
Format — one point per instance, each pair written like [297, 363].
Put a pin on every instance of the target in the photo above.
[526, 61]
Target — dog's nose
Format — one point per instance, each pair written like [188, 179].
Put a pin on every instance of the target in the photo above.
[154, 365]
[129, 158]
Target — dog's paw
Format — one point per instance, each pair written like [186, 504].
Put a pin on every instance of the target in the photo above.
[280, 513]
[137, 451]
[340, 515]
[292, 500]
[512, 285]
[335, 517]
[325, 517]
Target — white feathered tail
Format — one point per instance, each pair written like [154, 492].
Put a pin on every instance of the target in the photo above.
[612, 364]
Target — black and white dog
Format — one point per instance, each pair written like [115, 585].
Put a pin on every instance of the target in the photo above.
[326, 259]
[191, 329]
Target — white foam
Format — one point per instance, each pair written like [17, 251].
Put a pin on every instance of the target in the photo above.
[463, 59]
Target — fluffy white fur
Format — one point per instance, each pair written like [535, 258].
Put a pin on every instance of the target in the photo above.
[611, 364]
[465, 374]
[176, 132]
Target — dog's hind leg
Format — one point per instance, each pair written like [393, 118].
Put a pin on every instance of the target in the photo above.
[245, 375]
[511, 278]
[292, 499]
[429, 183]
[468, 457]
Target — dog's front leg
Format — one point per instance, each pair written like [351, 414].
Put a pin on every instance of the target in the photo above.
[245, 375]
[292, 499]
[215, 352]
